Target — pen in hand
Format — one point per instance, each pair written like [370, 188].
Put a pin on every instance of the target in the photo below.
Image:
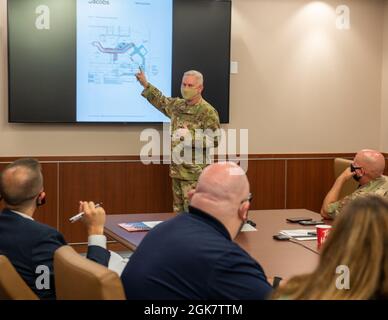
[81, 214]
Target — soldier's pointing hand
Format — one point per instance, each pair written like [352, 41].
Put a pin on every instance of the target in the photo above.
[141, 77]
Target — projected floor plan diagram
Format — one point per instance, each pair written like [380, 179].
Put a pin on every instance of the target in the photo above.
[115, 39]
[116, 56]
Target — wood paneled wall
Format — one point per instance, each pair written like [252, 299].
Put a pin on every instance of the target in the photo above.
[125, 185]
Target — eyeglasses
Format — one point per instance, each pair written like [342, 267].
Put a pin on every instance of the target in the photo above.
[250, 197]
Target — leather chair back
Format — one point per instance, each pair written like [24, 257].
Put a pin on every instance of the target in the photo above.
[78, 278]
[12, 285]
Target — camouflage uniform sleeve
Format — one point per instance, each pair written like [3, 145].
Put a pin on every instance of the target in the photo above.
[382, 192]
[336, 208]
[211, 133]
[375, 187]
[158, 100]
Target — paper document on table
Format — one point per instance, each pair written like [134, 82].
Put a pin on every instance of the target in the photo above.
[152, 224]
[300, 234]
[139, 226]
[247, 228]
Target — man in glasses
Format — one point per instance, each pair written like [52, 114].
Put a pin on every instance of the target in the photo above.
[367, 169]
[193, 256]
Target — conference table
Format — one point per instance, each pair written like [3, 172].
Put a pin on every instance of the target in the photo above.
[278, 258]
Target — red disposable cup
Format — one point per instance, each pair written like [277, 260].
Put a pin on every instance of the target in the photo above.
[322, 233]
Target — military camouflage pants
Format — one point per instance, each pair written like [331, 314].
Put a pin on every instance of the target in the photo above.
[180, 190]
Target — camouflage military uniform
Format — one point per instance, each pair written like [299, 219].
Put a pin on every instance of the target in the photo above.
[378, 186]
[202, 116]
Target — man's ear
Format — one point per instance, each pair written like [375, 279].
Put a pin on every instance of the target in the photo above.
[41, 197]
[200, 88]
[243, 211]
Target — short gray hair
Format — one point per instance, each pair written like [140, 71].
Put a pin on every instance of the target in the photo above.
[196, 74]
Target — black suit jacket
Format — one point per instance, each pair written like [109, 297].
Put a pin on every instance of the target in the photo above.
[29, 244]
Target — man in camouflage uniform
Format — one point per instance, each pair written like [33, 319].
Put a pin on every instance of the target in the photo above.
[190, 148]
[367, 168]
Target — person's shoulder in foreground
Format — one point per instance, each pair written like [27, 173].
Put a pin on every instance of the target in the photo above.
[193, 256]
[353, 261]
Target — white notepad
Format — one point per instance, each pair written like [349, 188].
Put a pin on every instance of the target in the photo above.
[152, 224]
[299, 234]
[248, 228]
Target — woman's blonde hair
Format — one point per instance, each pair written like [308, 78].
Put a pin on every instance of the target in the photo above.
[359, 241]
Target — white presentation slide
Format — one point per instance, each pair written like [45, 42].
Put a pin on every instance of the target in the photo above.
[114, 39]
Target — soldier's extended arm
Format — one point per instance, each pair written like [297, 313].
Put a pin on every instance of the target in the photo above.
[336, 208]
[158, 100]
[154, 96]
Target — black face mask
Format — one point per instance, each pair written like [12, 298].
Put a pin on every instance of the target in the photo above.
[353, 169]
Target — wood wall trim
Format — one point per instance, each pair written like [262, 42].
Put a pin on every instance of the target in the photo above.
[136, 158]
[125, 185]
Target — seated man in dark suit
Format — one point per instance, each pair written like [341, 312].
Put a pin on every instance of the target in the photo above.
[193, 256]
[30, 245]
